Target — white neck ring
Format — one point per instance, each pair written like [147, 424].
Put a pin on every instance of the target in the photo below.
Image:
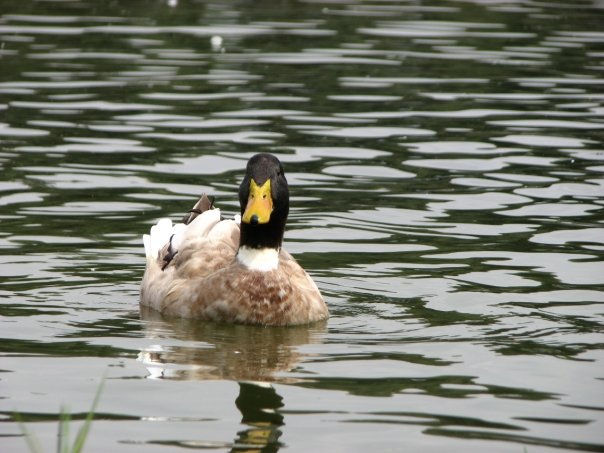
[265, 259]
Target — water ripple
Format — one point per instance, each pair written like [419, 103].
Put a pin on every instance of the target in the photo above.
[371, 132]
[445, 166]
[87, 105]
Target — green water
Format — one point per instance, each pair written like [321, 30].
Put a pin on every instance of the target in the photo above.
[445, 163]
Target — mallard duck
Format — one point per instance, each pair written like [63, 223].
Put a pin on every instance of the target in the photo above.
[232, 270]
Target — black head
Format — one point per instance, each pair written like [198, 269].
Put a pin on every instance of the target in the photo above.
[264, 202]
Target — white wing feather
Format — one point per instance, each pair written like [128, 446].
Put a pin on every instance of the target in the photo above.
[180, 233]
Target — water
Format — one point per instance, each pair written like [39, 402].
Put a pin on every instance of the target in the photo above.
[445, 162]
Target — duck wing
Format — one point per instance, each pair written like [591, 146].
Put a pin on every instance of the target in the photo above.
[203, 221]
[205, 203]
[187, 252]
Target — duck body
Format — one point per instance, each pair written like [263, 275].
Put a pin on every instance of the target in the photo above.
[232, 270]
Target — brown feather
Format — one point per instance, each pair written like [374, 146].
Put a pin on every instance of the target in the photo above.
[204, 280]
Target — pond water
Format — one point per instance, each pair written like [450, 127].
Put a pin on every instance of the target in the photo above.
[445, 160]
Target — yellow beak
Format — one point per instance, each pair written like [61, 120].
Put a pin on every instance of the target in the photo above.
[259, 203]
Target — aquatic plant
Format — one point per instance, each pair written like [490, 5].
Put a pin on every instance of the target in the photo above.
[63, 430]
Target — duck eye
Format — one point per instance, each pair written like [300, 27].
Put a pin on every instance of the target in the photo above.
[263, 196]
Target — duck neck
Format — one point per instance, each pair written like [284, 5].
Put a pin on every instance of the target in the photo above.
[259, 245]
[268, 235]
[258, 259]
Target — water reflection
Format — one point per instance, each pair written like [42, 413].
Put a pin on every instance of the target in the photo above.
[188, 349]
[254, 356]
[259, 405]
[445, 161]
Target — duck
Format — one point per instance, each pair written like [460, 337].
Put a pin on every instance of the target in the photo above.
[232, 270]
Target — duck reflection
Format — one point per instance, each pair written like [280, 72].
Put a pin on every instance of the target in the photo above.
[205, 350]
[254, 356]
[258, 404]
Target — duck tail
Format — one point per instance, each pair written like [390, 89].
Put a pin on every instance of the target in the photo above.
[165, 232]
[158, 237]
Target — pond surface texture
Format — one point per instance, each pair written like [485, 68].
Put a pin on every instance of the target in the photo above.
[445, 160]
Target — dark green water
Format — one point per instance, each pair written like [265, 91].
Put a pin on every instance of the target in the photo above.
[445, 160]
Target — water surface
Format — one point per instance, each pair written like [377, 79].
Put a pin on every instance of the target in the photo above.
[446, 164]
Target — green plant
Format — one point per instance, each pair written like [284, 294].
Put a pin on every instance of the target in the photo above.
[63, 433]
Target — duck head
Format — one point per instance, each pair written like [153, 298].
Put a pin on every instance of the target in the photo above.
[264, 202]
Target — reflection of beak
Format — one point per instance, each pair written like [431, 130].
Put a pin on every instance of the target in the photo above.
[259, 203]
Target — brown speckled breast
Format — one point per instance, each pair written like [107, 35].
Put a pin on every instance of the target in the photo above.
[285, 296]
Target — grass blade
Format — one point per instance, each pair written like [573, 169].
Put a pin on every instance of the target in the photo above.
[30, 438]
[83, 432]
[63, 434]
